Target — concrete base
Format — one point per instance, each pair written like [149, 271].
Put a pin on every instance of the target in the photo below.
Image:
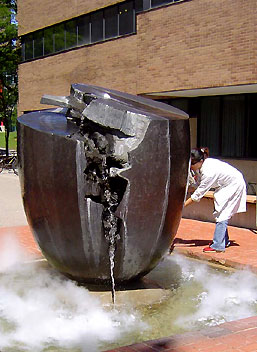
[135, 298]
[204, 209]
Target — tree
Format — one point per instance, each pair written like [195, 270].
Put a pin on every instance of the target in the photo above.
[9, 59]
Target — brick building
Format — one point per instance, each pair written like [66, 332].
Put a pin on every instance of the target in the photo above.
[198, 55]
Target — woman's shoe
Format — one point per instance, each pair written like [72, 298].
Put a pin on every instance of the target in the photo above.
[227, 245]
[209, 249]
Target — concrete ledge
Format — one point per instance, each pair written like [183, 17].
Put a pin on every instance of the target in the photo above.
[249, 198]
[204, 209]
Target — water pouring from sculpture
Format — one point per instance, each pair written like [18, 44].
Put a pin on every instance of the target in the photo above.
[103, 181]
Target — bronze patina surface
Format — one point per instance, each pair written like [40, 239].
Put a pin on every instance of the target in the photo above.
[104, 175]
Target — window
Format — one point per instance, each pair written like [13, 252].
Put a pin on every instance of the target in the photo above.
[251, 126]
[156, 3]
[126, 18]
[23, 49]
[210, 124]
[83, 30]
[233, 126]
[29, 47]
[230, 125]
[59, 37]
[38, 44]
[181, 103]
[97, 26]
[142, 5]
[222, 125]
[48, 41]
[227, 124]
[111, 22]
[71, 34]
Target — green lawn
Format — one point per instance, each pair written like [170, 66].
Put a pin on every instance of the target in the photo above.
[12, 140]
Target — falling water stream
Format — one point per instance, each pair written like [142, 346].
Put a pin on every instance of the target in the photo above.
[111, 256]
[102, 186]
[40, 310]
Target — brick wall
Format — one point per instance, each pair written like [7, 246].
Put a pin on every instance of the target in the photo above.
[110, 64]
[36, 14]
[194, 44]
[197, 44]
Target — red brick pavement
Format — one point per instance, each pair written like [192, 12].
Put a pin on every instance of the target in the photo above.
[23, 235]
[192, 237]
[237, 336]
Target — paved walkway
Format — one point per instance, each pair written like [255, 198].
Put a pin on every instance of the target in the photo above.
[23, 236]
[11, 208]
[194, 235]
[237, 336]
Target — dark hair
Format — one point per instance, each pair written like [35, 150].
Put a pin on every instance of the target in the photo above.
[198, 154]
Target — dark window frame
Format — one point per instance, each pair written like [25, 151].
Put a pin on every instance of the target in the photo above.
[138, 6]
[194, 109]
[106, 10]
[123, 27]
[96, 36]
[29, 41]
[88, 22]
[51, 31]
[66, 24]
[56, 36]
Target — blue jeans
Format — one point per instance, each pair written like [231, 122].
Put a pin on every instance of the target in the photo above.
[220, 238]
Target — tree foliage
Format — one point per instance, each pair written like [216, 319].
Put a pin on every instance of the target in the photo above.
[9, 59]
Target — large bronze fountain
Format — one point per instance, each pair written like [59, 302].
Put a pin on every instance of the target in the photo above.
[103, 181]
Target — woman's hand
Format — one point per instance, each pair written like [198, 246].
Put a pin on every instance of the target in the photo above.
[188, 201]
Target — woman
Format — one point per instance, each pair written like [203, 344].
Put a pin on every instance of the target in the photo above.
[229, 193]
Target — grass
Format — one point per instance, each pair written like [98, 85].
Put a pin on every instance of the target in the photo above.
[12, 140]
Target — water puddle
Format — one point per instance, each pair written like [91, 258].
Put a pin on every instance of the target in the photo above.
[40, 310]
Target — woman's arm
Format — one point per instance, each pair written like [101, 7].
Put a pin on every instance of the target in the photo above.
[188, 201]
[206, 183]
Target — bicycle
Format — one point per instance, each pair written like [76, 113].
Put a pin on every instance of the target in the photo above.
[9, 162]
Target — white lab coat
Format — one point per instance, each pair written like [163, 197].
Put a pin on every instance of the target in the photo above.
[229, 185]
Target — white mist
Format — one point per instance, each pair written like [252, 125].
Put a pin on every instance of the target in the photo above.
[40, 308]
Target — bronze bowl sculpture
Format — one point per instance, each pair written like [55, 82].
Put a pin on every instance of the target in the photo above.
[103, 181]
